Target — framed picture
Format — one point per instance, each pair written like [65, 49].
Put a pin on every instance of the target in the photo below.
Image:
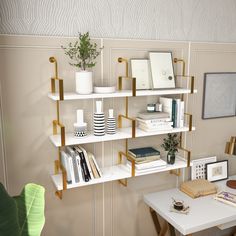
[162, 70]
[217, 171]
[140, 69]
[198, 168]
[219, 95]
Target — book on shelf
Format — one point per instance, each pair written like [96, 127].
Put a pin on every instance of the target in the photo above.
[143, 152]
[144, 159]
[153, 115]
[160, 127]
[175, 108]
[153, 121]
[65, 163]
[148, 165]
[96, 164]
[226, 197]
[87, 162]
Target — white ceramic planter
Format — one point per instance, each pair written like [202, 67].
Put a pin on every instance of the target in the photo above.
[84, 82]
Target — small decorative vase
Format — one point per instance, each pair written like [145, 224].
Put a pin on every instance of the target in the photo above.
[99, 120]
[80, 127]
[111, 123]
[84, 82]
[170, 158]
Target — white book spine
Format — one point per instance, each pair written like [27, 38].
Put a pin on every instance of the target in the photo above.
[96, 164]
[71, 169]
[181, 114]
[79, 169]
[87, 162]
[65, 163]
[178, 112]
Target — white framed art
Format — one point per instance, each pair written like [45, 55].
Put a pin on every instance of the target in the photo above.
[140, 69]
[198, 168]
[162, 70]
[217, 171]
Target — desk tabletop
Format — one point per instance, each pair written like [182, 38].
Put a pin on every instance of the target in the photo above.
[205, 212]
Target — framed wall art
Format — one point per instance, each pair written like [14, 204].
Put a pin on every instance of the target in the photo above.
[162, 70]
[198, 168]
[140, 69]
[219, 95]
[217, 171]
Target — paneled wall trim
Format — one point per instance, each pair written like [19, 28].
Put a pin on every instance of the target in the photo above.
[192, 20]
[105, 209]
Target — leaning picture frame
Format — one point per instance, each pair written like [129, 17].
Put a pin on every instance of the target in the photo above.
[140, 69]
[162, 70]
[217, 171]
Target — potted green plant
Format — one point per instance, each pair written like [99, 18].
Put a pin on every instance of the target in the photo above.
[170, 144]
[83, 54]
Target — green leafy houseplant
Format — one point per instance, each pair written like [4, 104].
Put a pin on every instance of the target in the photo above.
[170, 144]
[22, 215]
[82, 52]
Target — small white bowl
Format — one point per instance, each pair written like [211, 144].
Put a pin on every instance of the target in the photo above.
[111, 89]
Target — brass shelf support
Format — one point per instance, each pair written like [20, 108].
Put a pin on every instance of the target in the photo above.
[130, 119]
[62, 128]
[53, 80]
[177, 60]
[230, 147]
[120, 78]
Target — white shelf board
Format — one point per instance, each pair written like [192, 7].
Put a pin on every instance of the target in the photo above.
[117, 172]
[122, 93]
[108, 174]
[123, 133]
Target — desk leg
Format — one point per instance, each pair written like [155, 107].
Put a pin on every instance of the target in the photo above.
[155, 220]
[160, 231]
[172, 230]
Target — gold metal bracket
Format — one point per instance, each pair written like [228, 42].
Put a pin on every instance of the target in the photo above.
[122, 154]
[53, 80]
[176, 172]
[59, 167]
[188, 154]
[121, 60]
[120, 78]
[130, 119]
[62, 127]
[190, 121]
[230, 147]
[133, 79]
[176, 60]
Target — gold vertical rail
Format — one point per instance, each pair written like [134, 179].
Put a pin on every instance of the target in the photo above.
[120, 60]
[57, 123]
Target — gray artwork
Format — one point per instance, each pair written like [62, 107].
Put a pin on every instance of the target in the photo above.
[219, 97]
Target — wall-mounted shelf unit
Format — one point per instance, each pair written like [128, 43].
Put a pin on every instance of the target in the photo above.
[120, 171]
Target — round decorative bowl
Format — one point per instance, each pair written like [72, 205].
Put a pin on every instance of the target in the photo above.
[110, 89]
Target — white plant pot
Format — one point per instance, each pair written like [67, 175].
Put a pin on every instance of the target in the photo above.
[84, 82]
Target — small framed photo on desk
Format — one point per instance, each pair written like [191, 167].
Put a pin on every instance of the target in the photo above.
[217, 171]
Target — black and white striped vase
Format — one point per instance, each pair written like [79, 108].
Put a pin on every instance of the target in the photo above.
[111, 123]
[99, 124]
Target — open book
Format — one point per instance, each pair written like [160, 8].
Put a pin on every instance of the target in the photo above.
[226, 197]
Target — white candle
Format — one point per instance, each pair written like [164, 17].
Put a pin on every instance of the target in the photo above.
[80, 116]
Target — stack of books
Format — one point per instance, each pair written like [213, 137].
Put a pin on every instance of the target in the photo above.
[175, 109]
[154, 121]
[146, 159]
[80, 165]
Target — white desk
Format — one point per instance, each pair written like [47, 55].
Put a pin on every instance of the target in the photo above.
[205, 212]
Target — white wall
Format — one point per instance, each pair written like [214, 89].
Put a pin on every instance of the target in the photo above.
[195, 20]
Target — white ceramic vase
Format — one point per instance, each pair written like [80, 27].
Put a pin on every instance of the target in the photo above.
[84, 82]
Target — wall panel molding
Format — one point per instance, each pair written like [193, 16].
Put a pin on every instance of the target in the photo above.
[192, 20]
